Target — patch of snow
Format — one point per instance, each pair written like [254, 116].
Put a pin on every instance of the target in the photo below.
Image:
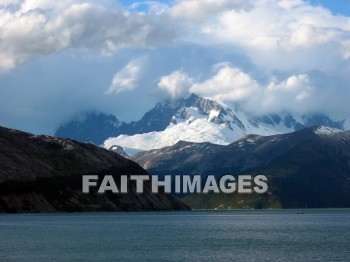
[212, 114]
[197, 131]
[325, 130]
[194, 114]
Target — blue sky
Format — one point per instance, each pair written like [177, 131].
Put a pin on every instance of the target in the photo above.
[60, 59]
[337, 7]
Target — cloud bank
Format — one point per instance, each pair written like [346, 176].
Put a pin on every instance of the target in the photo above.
[58, 58]
[297, 93]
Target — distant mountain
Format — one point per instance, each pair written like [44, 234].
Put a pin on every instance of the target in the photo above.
[193, 119]
[96, 127]
[306, 168]
[44, 174]
[90, 127]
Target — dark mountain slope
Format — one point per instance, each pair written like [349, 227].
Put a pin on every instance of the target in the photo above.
[44, 174]
[307, 168]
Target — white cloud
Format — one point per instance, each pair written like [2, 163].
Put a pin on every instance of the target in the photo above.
[295, 94]
[199, 10]
[228, 84]
[176, 84]
[127, 78]
[273, 32]
[346, 49]
[29, 5]
[9, 2]
[55, 27]
[45, 27]
[306, 36]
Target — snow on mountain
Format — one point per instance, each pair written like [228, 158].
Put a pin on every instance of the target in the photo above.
[194, 130]
[199, 119]
[118, 149]
[328, 131]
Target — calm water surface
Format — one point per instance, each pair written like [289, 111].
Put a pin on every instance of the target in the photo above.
[254, 235]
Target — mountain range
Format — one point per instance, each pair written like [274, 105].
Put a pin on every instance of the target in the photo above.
[307, 168]
[193, 119]
[306, 157]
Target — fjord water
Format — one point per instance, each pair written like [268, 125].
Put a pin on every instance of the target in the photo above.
[251, 235]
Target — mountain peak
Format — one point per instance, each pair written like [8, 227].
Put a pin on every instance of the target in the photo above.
[90, 126]
[194, 119]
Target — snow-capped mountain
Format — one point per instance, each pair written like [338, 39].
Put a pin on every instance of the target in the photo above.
[194, 119]
[198, 119]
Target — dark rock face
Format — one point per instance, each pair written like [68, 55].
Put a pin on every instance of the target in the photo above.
[44, 174]
[307, 168]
